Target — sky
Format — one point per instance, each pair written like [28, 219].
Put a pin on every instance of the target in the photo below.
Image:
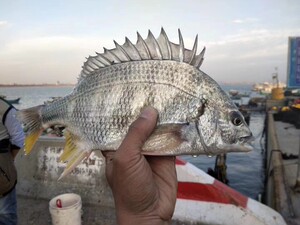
[48, 41]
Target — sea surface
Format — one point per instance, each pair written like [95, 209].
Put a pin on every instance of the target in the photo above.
[245, 171]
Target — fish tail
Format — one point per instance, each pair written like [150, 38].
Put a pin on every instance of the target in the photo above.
[32, 120]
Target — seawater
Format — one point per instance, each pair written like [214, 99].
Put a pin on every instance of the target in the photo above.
[35, 95]
[244, 170]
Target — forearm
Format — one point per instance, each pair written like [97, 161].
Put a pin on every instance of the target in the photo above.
[145, 217]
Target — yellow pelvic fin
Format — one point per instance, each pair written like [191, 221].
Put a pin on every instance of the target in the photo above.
[31, 139]
[78, 156]
[70, 147]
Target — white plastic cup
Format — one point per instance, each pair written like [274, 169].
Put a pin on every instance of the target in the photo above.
[69, 212]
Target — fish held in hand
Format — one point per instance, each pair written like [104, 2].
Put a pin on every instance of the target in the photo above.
[195, 115]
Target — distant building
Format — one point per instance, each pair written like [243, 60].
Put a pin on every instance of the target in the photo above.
[293, 64]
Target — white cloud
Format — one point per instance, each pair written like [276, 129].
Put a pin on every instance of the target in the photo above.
[245, 56]
[249, 55]
[246, 20]
[237, 21]
[46, 59]
[52, 44]
[248, 43]
[3, 23]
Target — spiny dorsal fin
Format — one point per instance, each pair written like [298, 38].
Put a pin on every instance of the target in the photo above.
[144, 49]
[164, 44]
[194, 50]
[181, 47]
[197, 61]
[153, 46]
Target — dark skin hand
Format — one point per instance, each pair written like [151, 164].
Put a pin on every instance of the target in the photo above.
[144, 187]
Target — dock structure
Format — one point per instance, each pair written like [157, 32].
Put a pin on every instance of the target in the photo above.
[282, 164]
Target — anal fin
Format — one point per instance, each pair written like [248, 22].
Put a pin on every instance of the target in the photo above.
[76, 159]
[72, 154]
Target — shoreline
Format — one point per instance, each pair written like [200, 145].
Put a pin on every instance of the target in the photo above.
[36, 85]
[72, 85]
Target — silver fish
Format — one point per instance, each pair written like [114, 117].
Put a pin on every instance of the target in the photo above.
[195, 115]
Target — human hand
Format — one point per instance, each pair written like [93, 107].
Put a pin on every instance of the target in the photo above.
[144, 187]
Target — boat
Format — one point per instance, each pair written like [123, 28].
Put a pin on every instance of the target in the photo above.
[52, 99]
[13, 101]
[233, 92]
[236, 95]
[266, 87]
[201, 199]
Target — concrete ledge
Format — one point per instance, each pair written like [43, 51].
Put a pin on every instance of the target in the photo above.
[38, 173]
[277, 195]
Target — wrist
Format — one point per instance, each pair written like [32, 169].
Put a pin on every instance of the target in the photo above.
[130, 219]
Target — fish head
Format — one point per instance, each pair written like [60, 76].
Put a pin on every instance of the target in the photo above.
[221, 126]
[233, 128]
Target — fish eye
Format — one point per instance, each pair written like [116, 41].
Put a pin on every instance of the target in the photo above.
[236, 118]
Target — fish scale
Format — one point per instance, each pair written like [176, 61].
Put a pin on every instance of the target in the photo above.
[195, 114]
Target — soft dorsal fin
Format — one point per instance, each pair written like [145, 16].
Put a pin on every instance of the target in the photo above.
[144, 49]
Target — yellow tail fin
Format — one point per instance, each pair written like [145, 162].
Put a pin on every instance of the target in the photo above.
[32, 120]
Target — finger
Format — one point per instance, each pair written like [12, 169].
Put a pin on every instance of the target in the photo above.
[163, 165]
[109, 156]
[139, 131]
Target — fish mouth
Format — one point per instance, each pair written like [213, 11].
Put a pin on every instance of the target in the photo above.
[226, 148]
[246, 139]
[245, 147]
[244, 144]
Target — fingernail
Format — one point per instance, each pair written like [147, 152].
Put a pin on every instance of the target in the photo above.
[149, 112]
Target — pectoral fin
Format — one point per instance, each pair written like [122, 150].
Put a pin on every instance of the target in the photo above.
[165, 140]
[70, 147]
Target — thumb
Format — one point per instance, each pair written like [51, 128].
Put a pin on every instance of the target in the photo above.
[138, 132]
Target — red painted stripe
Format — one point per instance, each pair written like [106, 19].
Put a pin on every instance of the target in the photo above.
[180, 161]
[216, 192]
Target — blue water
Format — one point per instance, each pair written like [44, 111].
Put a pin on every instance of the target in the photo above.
[244, 170]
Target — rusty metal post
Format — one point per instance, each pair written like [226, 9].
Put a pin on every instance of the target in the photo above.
[220, 168]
